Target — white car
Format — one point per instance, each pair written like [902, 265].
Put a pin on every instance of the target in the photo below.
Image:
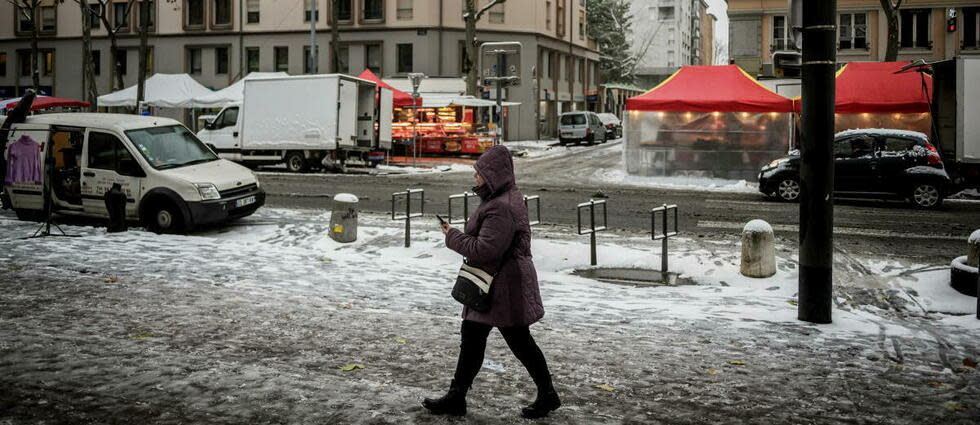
[580, 126]
[614, 127]
[172, 181]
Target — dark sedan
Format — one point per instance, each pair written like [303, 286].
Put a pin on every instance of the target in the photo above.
[870, 163]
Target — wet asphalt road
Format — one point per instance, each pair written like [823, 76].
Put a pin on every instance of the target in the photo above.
[875, 228]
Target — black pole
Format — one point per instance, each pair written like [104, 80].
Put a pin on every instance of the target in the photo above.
[817, 165]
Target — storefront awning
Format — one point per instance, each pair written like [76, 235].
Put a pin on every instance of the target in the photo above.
[724, 88]
[399, 98]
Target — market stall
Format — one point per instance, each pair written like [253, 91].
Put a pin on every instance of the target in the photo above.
[706, 121]
[44, 102]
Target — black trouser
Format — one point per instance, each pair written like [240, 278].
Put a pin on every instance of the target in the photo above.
[518, 338]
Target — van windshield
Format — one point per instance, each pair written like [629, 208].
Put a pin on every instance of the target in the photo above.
[573, 119]
[170, 146]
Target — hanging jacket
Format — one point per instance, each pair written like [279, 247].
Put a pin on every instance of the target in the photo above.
[24, 161]
[498, 237]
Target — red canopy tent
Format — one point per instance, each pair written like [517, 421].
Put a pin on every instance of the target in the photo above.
[399, 98]
[874, 87]
[710, 89]
[42, 102]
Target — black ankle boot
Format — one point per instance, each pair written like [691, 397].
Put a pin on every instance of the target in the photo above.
[453, 403]
[546, 402]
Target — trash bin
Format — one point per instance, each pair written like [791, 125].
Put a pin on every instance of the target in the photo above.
[343, 219]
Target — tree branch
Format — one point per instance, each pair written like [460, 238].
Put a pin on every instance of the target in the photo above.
[484, 9]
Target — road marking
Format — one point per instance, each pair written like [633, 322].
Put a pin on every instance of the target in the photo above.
[851, 231]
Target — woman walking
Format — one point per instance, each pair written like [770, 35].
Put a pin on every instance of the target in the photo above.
[498, 237]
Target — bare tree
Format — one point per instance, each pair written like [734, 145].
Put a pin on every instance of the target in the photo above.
[334, 36]
[720, 53]
[88, 68]
[30, 10]
[112, 30]
[472, 15]
[891, 15]
[144, 21]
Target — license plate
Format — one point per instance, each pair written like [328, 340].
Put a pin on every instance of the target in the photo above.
[245, 201]
[566, 133]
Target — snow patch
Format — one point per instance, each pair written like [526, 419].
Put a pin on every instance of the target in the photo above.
[346, 197]
[974, 237]
[757, 226]
[959, 263]
[883, 132]
[707, 184]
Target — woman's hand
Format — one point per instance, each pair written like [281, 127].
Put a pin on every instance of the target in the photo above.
[445, 228]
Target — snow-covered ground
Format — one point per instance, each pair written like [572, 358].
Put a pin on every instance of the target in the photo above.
[253, 322]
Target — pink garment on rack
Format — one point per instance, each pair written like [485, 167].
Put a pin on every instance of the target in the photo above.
[24, 161]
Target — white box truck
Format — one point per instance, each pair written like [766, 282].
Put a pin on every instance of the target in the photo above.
[305, 122]
[956, 106]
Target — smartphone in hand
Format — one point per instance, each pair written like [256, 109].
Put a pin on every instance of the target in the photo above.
[441, 220]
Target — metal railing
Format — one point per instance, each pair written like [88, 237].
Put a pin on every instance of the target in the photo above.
[465, 196]
[664, 235]
[592, 229]
[409, 215]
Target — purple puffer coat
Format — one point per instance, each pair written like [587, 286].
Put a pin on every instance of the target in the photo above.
[498, 236]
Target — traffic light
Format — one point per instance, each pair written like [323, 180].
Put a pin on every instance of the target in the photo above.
[950, 20]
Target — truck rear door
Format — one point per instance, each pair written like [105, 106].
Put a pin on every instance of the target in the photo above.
[347, 114]
[27, 177]
[385, 115]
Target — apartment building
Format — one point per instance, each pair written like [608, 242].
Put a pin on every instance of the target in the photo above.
[218, 41]
[668, 34]
[757, 28]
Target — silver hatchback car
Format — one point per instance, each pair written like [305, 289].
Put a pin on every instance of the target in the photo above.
[581, 126]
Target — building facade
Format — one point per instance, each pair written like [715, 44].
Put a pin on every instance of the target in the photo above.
[757, 28]
[219, 41]
[668, 34]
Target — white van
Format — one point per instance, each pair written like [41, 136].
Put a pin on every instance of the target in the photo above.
[172, 181]
[581, 126]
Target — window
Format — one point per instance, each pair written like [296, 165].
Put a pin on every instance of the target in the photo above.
[373, 10]
[547, 15]
[897, 145]
[252, 10]
[228, 118]
[153, 12]
[120, 16]
[560, 11]
[252, 59]
[306, 11]
[581, 71]
[581, 25]
[971, 27]
[107, 152]
[222, 12]
[149, 60]
[854, 148]
[49, 20]
[404, 58]
[853, 31]
[569, 69]
[3, 64]
[23, 20]
[779, 34]
[406, 10]
[282, 58]
[372, 53]
[595, 74]
[47, 62]
[96, 10]
[194, 60]
[308, 61]
[913, 28]
[462, 57]
[121, 61]
[496, 14]
[97, 62]
[194, 13]
[553, 66]
[24, 58]
[220, 60]
[665, 13]
[344, 10]
[343, 59]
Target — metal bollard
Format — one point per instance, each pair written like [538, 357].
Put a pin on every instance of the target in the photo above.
[409, 215]
[591, 231]
[465, 196]
[665, 235]
[537, 209]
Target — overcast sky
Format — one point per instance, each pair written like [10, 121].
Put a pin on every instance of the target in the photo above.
[720, 10]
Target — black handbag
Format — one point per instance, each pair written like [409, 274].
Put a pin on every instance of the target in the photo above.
[472, 288]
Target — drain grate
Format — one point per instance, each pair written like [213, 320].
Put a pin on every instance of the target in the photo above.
[634, 276]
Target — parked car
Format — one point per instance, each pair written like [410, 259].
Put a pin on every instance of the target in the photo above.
[172, 181]
[581, 126]
[614, 127]
[870, 163]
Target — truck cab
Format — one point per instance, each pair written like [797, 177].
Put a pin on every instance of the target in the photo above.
[172, 181]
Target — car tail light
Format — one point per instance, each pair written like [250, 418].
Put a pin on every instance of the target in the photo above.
[933, 158]
[588, 131]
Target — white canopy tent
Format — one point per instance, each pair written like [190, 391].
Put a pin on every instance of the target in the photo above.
[234, 93]
[162, 91]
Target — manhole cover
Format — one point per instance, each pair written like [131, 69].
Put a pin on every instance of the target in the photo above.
[633, 276]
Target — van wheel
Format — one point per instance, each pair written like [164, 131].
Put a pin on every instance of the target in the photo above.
[788, 189]
[164, 218]
[296, 162]
[28, 215]
[926, 195]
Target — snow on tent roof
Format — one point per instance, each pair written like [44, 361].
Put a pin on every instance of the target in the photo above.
[398, 97]
[234, 93]
[162, 90]
[873, 87]
[725, 88]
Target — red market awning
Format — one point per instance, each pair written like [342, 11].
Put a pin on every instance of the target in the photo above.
[874, 87]
[42, 102]
[399, 98]
[724, 88]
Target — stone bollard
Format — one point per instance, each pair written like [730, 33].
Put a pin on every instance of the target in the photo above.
[343, 219]
[973, 249]
[758, 250]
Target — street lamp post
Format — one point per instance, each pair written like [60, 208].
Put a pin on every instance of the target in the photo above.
[416, 79]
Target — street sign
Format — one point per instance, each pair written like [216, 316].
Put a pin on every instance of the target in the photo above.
[500, 61]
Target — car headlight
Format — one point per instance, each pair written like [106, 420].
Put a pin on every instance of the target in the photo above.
[208, 191]
[257, 183]
[776, 162]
